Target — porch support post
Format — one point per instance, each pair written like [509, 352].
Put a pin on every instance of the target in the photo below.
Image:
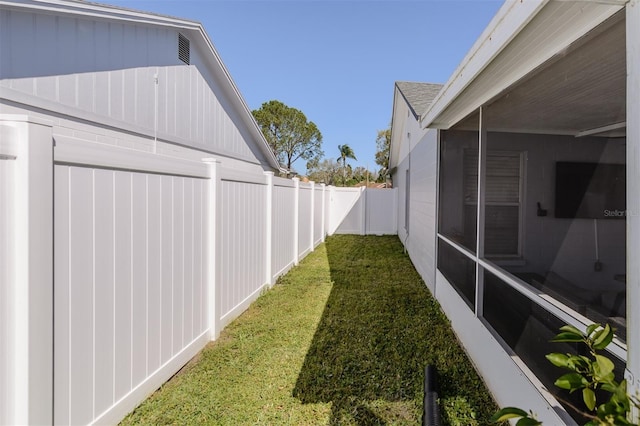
[213, 289]
[26, 270]
[482, 179]
[269, 230]
[296, 220]
[633, 196]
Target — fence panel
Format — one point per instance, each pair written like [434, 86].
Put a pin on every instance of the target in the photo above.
[242, 254]
[128, 283]
[346, 211]
[381, 211]
[304, 220]
[283, 234]
[318, 215]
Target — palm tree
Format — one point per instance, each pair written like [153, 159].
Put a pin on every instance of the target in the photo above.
[345, 152]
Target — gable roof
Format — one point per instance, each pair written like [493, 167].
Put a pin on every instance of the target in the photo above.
[418, 96]
[194, 29]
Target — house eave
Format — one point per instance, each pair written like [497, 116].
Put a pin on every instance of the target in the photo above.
[521, 37]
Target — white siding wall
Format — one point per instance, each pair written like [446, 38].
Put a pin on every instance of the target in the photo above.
[399, 182]
[7, 217]
[105, 72]
[129, 282]
[421, 243]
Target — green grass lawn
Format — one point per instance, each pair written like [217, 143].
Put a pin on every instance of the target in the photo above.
[341, 339]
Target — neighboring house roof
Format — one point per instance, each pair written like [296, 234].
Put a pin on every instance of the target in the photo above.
[418, 96]
[196, 32]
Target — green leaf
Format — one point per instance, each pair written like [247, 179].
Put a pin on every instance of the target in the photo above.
[578, 362]
[567, 337]
[592, 328]
[609, 387]
[571, 381]
[571, 329]
[528, 421]
[604, 366]
[507, 413]
[558, 359]
[603, 338]
[589, 398]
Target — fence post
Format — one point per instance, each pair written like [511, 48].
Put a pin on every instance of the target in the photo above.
[313, 207]
[363, 211]
[322, 225]
[269, 230]
[26, 269]
[296, 219]
[213, 291]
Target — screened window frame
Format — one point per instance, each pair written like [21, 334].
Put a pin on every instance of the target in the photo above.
[520, 204]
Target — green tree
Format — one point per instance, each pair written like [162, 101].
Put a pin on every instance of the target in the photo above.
[345, 152]
[325, 171]
[289, 133]
[383, 148]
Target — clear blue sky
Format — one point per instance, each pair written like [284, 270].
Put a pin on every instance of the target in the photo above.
[336, 61]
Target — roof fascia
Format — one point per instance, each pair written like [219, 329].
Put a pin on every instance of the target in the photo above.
[508, 22]
[512, 19]
[241, 104]
[94, 10]
[415, 114]
[393, 116]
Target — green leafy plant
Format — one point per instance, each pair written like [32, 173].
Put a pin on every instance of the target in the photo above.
[587, 374]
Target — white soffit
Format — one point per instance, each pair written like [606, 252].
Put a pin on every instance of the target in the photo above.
[522, 36]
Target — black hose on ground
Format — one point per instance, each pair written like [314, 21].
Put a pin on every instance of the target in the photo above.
[431, 411]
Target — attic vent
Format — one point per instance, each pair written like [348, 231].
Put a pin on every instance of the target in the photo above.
[184, 51]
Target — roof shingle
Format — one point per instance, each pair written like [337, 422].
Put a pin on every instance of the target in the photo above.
[419, 96]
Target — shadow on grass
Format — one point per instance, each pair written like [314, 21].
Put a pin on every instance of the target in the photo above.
[379, 328]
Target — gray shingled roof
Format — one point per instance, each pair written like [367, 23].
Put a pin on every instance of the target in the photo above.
[418, 95]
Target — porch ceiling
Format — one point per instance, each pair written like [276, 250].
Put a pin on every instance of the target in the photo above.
[580, 90]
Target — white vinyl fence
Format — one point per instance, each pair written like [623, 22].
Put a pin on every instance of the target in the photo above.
[140, 259]
[364, 212]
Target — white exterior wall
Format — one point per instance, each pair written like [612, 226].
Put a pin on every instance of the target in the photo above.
[421, 242]
[400, 183]
[494, 364]
[105, 72]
